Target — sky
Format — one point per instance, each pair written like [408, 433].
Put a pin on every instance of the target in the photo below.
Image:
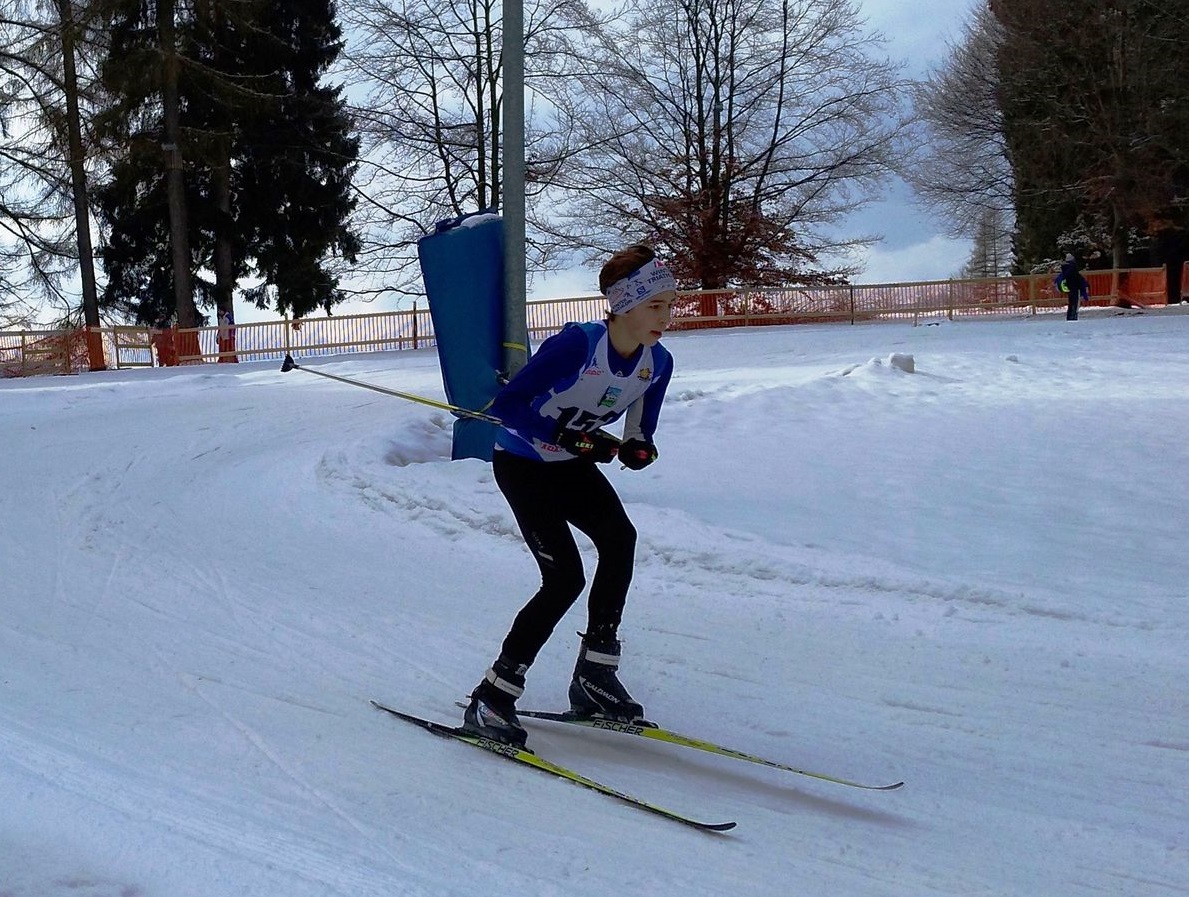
[914, 248]
[950, 554]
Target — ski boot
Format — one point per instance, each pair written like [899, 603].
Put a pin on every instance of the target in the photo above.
[595, 690]
[492, 710]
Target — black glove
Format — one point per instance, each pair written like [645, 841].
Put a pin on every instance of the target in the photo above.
[597, 445]
[636, 454]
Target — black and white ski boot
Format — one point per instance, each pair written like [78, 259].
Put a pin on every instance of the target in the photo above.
[492, 710]
[595, 690]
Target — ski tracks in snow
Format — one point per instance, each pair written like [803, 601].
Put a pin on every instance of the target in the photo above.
[168, 810]
[452, 499]
[457, 500]
[289, 769]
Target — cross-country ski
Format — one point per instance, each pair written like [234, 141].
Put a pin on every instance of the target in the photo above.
[528, 758]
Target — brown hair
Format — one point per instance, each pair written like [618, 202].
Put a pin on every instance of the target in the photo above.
[623, 263]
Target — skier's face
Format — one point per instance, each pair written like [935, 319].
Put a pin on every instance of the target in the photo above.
[647, 322]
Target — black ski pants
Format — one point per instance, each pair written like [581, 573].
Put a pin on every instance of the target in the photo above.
[547, 498]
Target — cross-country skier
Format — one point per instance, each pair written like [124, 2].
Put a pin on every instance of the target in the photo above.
[553, 411]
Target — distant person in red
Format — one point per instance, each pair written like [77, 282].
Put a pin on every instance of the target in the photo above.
[227, 337]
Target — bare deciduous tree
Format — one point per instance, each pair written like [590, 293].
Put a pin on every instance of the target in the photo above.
[735, 135]
[962, 172]
[427, 82]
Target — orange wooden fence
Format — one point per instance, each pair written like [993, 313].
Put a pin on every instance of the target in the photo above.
[42, 352]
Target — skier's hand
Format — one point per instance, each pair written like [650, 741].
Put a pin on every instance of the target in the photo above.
[636, 454]
[597, 445]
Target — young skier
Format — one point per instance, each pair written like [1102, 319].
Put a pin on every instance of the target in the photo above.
[553, 411]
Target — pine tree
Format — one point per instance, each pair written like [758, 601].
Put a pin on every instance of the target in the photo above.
[266, 152]
[1095, 102]
[294, 159]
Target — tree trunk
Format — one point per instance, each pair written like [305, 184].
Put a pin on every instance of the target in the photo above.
[1118, 240]
[224, 262]
[1174, 251]
[1174, 268]
[187, 312]
[78, 180]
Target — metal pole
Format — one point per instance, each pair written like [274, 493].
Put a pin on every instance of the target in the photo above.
[515, 352]
[290, 365]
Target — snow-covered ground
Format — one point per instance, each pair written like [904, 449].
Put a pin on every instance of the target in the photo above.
[954, 555]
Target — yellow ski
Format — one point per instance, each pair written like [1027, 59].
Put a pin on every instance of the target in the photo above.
[650, 730]
[528, 758]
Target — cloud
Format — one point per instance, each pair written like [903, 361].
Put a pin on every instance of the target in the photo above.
[570, 283]
[937, 258]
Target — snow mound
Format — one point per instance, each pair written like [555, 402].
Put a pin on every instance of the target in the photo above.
[897, 361]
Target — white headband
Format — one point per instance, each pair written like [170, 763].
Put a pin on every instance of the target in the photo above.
[650, 279]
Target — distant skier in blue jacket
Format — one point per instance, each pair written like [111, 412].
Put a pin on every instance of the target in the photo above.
[1071, 281]
[553, 414]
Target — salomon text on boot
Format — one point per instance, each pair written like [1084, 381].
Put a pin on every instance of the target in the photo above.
[595, 690]
[492, 710]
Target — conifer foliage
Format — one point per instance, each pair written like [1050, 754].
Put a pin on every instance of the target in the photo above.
[1095, 104]
[265, 149]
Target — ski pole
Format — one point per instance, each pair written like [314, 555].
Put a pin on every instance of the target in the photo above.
[289, 365]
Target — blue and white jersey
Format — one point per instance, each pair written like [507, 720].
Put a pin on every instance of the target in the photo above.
[576, 381]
